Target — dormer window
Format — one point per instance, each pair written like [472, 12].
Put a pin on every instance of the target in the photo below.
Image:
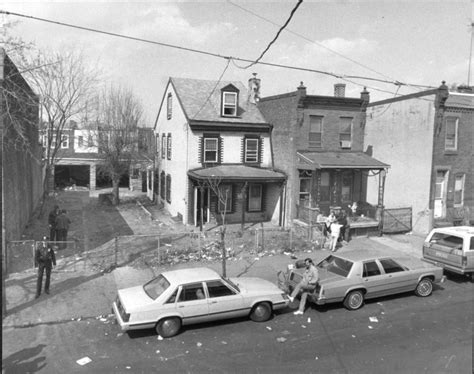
[230, 101]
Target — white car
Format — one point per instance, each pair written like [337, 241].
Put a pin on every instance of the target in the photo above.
[187, 296]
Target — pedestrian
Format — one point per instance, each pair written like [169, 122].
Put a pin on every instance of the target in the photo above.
[62, 227]
[335, 232]
[45, 259]
[52, 223]
[328, 223]
[307, 284]
[342, 220]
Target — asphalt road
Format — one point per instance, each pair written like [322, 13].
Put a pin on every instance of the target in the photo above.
[408, 335]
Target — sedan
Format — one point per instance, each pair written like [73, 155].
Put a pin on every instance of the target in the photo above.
[187, 296]
[356, 275]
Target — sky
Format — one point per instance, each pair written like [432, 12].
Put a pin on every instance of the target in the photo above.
[417, 42]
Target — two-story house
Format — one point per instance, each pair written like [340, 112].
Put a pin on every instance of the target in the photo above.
[79, 158]
[428, 138]
[215, 154]
[318, 141]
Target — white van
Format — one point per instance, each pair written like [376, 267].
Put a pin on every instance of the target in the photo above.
[452, 248]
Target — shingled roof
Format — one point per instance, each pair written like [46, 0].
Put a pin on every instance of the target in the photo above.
[201, 101]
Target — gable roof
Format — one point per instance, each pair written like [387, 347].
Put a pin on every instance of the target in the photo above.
[201, 101]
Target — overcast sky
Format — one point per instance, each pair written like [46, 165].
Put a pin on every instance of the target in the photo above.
[416, 42]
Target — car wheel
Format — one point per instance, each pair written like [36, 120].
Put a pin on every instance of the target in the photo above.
[261, 312]
[168, 327]
[424, 287]
[354, 300]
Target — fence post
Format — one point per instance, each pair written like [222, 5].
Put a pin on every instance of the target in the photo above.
[116, 250]
[159, 251]
[263, 238]
[291, 238]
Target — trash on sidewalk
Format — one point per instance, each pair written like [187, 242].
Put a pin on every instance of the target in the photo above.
[83, 361]
[281, 340]
[373, 319]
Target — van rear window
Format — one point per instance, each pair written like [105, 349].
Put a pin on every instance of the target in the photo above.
[451, 241]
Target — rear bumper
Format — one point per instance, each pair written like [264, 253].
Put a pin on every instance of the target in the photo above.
[124, 326]
[451, 268]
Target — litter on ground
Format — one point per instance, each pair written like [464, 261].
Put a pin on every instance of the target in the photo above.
[83, 361]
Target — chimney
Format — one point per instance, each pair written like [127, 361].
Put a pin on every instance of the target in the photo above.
[254, 89]
[301, 90]
[441, 96]
[339, 90]
[365, 95]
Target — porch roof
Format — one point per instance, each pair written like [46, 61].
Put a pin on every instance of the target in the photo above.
[237, 173]
[338, 160]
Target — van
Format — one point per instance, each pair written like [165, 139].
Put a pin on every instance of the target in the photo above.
[452, 248]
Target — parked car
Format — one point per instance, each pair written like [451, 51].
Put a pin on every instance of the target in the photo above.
[451, 248]
[355, 275]
[187, 296]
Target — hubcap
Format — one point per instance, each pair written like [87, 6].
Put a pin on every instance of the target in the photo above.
[425, 288]
[170, 327]
[356, 300]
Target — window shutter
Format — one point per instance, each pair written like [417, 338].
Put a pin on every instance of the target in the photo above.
[242, 150]
[260, 150]
[201, 150]
[221, 150]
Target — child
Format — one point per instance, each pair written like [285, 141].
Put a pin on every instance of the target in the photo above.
[335, 231]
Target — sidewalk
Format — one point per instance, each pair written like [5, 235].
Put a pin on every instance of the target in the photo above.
[87, 294]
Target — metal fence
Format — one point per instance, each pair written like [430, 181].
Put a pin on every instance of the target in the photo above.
[168, 249]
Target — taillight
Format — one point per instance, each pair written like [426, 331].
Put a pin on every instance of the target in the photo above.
[464, 260]
[125, 316]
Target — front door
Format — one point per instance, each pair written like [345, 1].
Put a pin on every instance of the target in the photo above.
[440, 194]
[202, 205]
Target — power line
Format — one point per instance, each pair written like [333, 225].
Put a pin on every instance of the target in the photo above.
[277, 34]
[339, 76]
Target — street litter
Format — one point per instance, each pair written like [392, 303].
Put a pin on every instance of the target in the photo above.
[160, 337]
[353, 336]
[281, 340]
[373, 319]
[309, 320]
[370, 327]
[128, 367]
[269, 328]
[119, 334]
[223, 342]
[83, 361]
[157, 351]
[316, 358]
[303, 326]
[199, 344]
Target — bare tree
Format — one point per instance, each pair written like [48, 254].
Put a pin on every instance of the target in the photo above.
[66, 86]
[119, 119]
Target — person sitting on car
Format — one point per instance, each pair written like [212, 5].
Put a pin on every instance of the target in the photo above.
[307, 284]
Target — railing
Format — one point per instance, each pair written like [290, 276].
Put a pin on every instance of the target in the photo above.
[307, 214]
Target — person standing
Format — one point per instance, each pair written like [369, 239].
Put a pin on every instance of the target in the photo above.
[308, 283]
[45, 259]
[52, 223]
[335, 232]
[62, 227]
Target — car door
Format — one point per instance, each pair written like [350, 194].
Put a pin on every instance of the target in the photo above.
[373, 279]
[398, 278]
[192, 307]
[224, 301]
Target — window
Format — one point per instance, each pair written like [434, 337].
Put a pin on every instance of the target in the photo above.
[156, 286]
[163, 145]
[169, 106]
[64, 141]
[225, 198]
[390, 266]
[255, 197]
[346, 187]
[345, 132]
[370, 269]
[451, 141]
[191, 292]
[157, 141]
[80, 141]
[229, 104]
[168, 188]
[440, 184]
[211, 148]
[459, 190]
[90, 141]
[168, 147]
[172, 298]
[218, 289]
[315, 131]
[162, 185]
[251, 150]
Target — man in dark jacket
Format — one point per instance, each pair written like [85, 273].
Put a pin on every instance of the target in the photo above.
[62, 227]
[52, 223]
[45, 259]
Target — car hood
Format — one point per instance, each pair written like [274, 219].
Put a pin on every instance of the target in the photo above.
[134, 298]
[255, 285]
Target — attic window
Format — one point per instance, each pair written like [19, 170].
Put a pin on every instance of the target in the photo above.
[229, 104]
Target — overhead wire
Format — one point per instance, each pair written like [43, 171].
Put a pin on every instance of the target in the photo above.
[339, 76]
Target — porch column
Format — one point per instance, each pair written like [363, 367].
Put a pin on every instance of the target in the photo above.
[379, 211]
[92, 176]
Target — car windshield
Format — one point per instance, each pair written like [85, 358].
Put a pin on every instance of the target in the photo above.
[156, 286]
[336, 265]
[227, 280]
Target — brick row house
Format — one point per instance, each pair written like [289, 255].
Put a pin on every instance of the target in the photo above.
[215, 156]
[318, 141]
[428, 139]
[79, 158]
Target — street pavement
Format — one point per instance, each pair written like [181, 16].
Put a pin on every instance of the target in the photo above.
[81, 293]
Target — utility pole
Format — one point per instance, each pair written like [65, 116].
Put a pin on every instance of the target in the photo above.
[470, 56]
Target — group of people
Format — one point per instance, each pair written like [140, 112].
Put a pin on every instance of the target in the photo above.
[59, 223]
[335, 228]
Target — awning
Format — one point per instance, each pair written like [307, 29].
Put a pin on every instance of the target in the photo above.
[338, 160]
[227, 173]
